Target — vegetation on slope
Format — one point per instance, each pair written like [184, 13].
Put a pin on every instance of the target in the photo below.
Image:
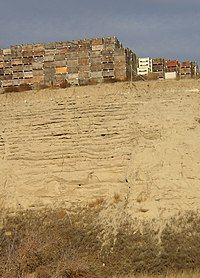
[63, 243]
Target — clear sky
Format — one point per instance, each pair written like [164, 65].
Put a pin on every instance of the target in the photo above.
[168, 28]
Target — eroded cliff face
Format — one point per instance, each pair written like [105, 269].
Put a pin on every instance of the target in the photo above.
[135, 145]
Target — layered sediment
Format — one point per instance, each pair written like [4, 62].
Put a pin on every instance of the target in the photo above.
[137, 143]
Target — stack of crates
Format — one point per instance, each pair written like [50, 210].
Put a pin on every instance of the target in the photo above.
[108, 64]
[80, 62]
[96, 72]
[186, 70]
[158, 67]
[37, 52]
[172, 69]
[195, 69]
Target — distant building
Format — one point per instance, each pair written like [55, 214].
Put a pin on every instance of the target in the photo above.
[144, 66]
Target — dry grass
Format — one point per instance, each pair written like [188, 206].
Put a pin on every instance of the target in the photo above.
[64, 243]
[116, 198]
[96, 203]
[20, 88]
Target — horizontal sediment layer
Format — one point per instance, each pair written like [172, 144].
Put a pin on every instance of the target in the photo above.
[139, 141]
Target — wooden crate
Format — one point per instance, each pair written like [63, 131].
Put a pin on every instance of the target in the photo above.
[186, 75]
[28, 74]
[119, 59]
[50, 46]
[59, 57]
[16, 82]
[84, 68]
[107, 59]
[37, 65]
[96, 67]
[95, 54]
[72, 62]
[98, 47]
[38, 72]
[27, 47]
[73, 70]
[17, 68]
[16, 61]
[8, 76]
[8, 71]
[83, 61]
[27, 67]
[16, 51]
[108, 66]
[38, 47]
[96, 60]
[7, 58]
[49, 71]
[83, 54]
[27, 54]
[7, 51]
[51, 51]
[61, 70]
[27, 60]
[28, 81]
[157, 68]
[108, 73]
[7, 83]
[7, 64]
[83, 74]
[38, 79]
[120, 64]
[71, 55]
[62, 50]
[47, 65]
[49, 58]
[38, 54]
[60, 63]
[18, 75]
[97, 41]
[96, 74]
[186, 70]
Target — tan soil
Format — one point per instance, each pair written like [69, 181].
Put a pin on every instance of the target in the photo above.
[134, 145]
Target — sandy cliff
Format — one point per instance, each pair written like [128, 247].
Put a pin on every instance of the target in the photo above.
[136, 143]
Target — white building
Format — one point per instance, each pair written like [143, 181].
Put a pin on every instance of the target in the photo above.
[144, 66]
[171, 75]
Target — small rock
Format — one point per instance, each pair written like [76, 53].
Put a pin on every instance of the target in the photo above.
[144, 209]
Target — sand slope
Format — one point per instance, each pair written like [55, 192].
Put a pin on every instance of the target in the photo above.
[137, 144]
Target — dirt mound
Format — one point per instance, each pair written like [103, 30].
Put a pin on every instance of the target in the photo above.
[135, 143]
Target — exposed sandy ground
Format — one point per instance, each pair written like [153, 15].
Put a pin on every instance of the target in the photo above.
[137, 144]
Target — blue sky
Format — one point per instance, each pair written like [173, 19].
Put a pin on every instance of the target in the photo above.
[168, 28]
